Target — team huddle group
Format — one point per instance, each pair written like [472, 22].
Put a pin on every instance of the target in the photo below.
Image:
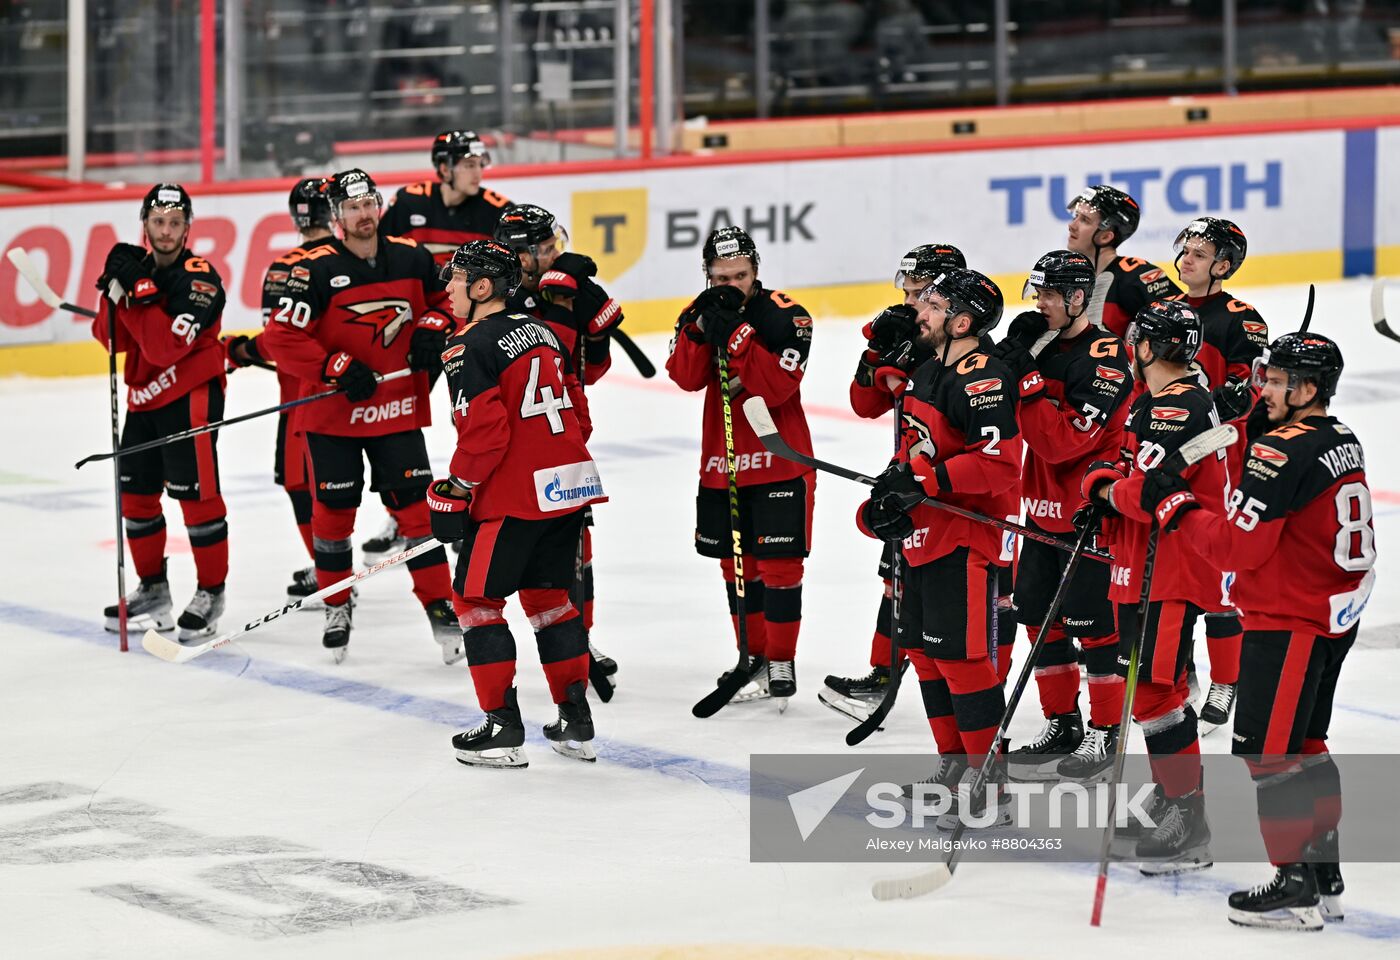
[1078, 423]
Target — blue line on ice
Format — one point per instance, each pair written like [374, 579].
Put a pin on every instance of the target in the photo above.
[1200, 886]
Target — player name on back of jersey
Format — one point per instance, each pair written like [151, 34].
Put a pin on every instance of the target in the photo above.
[527, 337]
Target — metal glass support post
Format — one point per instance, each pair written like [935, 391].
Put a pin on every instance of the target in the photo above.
[665, 77]
[505, 46]
[233, 88]
[1230, 41]
[1001, 50]
[622, 75]
[77, 89]
[762, 57]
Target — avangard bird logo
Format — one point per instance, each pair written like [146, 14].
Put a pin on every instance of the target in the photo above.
[387, 317]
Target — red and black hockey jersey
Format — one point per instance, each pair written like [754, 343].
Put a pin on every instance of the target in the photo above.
[597, 357]
[1233, 335]
[1297, 530]
[521, 420]
[767, 358]
[959, 433]
[273, 293]
[1088, 381]
[1157, 425]
[1126, 286]
[171, 345]
[338, 302]
[417, 212]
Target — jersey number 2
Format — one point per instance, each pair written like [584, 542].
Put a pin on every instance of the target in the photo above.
[548, 403]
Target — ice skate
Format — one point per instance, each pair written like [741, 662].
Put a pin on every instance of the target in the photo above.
[756, 688]
[571, 733]
[1039, 759]
[1287, 902]
[782, 682]
[336, 635]
[1328, 875]
[386, 541]
[304, 585]
[979, 817]
[201, 617]
[857, 697]
[1093, 757]
[1181, 841]
[148, 607]
[446, 630]
[1220, 699]
[948, 773]
[497, 741]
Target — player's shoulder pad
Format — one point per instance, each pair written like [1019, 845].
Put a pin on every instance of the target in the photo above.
[1106, 358]
[495, 199]
[1269, 456]
[1180, 405]
[1253, 325]
[981, 378]
[423, 188]
[199, 268]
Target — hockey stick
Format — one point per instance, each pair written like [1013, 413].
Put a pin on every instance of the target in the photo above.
[1378, 310]
[762, 422]
[209, 427]
[1193, 451]
[634, 353]
[870, 724]
[114, 393]
[739, 676]
[602, 684]
[25, 266]
[172, 652]
[1307, 313]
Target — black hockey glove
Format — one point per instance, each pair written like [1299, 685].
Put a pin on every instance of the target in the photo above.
[1087, 516]
[594, 311]
[887, 521]
[1232, 400]
[1167, 497]
[575, 265]
[1028, 327]
[898, 486]
[449, 511]
[126, 264]
[243, 351]
[355, 378]
[893, 327]
[719, 313]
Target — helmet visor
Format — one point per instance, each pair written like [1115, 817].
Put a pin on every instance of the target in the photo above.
[1034, 284]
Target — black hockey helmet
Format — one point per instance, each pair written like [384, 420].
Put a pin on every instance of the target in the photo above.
[486, 259]
[1117, 211]
[526, 226]
[451, 145]
[1306, 358]
[970, 292]
[927, 261]
[1064, 271]
[350, 185]
[308, 205]
[726, 243]
[167, 196]
[1171, 327]
[1228, 238]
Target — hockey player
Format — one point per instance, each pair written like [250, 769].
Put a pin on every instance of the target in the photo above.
[1298, 532]
[363, 305]
[521, 478]
[766, 336]
[311, 214]
[440, 215]
[167, 324]
[1209, 251]
[961, 444]
[1074, 399]
[1102, 218]
[1162, 341]
[891, 353]
[557, 286]
[445, 214]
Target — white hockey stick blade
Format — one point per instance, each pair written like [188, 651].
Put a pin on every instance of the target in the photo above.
[908, 888]
[172, 652]
[1203, 445]
[760, 418]
[1378, 309]
[25, 266]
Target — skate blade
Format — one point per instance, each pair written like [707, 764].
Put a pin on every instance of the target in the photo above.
[858, 710]
[338, 654]
[1189, 862]
[1041, 772]
[1332, 911]
[504, 758]
[782, 703]
[1207, 729]
[1301, 919]
[948, 822]
[453, 653]
[142, 623]
[575, 750]
[751, 693]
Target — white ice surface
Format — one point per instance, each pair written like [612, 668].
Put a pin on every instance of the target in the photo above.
[650, 846]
